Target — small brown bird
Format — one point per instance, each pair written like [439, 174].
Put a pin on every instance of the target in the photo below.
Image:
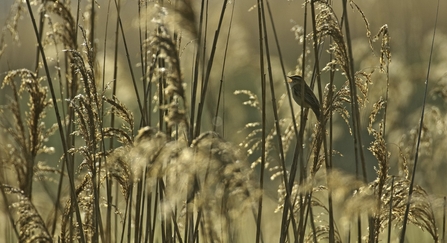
[310, 100]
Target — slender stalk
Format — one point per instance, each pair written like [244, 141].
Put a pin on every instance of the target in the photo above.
[444, 218]
[263, 118]
[208, 71]
[59, 122]
[390, 212]
[322, 125]
[223, 69]
[129, 63]
[421, 123]
[358, 147]
[303, 172]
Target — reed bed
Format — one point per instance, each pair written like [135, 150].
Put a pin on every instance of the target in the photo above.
[128, 129]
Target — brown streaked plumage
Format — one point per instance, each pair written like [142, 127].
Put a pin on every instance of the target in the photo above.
[310, 100]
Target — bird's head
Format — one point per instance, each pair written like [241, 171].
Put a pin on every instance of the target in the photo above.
[295, 79]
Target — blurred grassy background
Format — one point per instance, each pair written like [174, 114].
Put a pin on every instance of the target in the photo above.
[410, 26]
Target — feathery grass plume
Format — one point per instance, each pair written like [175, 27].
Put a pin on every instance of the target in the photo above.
[226, 188]
[11, 25]
[252, 142]
[341, 184]
[85, 198]
[318, 211]
[187, 19]
[440, 90]
[379, 150]
[322, 234]
[408, 142]
[29, 224]
[421, 213]
[436, 131]
[210, 175]
[84, 67]
[421, 210]
[433, 134]
[168, 50]
[155, 160]
[336, 103]
[362, 81]
[164, 187]
[168, 76]
[91, 113]
[362, 201]
[28, 132]
[88, 108]
[182, 16]
[298, 193]
[64, 32]
[385, 47]
[87, 125]
[252, 101]
[148, 146]
[327, 24]
[403, 165]
[122, 134]
[178, 15]
[229, 168]
[119, 168]
[378, 146]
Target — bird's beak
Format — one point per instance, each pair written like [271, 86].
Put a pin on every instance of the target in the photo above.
[289, 79]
